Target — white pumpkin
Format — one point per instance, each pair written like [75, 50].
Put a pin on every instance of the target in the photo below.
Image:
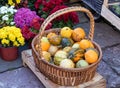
[67, 63]
[52, 50]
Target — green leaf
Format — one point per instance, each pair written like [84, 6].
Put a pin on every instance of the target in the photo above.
[40, 7]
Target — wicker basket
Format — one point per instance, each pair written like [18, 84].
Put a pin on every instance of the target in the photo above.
[64, 76]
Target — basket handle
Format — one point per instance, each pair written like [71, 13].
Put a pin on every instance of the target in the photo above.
[61, 12]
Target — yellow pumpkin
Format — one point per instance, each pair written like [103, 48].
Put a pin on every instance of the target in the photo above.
[66, 32]
[78, 34]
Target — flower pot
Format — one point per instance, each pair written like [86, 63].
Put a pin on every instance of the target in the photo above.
[9, 53]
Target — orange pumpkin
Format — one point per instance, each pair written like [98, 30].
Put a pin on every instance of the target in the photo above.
[78, 34]
[45, 46]
[84, 44]
[91, 56]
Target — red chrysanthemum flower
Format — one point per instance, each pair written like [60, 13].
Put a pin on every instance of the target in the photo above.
[47, 7]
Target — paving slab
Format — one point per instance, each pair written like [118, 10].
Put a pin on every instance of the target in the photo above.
[5, 65]
[19, 78]
[112, 79]
[109, 67]
[112, 57]
[106, 72]
[104, 34]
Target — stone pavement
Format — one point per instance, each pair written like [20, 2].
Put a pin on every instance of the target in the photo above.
[14, 75]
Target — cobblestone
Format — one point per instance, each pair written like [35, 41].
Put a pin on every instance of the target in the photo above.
[109, 67]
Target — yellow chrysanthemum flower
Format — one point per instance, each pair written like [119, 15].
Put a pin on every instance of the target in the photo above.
[12, 37]
[18, 35]
[18, 1]
[21, 40]
[10, 2]
[16, 43]
[3, 35]
[5, 41]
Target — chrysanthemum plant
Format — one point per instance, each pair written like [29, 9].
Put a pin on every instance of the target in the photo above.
[14, 2]
[7, 15]
[11, 36]
[29, 22]
[47, 7]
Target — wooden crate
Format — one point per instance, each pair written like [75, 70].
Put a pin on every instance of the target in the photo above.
[109, 15]
[97, 82]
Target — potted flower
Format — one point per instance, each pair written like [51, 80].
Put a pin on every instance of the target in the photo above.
[29, 22]
[7, 15]
[10, 39]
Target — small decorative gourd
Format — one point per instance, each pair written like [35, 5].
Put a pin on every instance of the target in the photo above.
[66, 42]
[52, 50]
[81, 63]
[76, 54]
[66, 32]
[55, 39]
[50, 34]
[67, 49]
[59, 56]
[78, 34]
[67, 63]
[91, 56]
[46, 55]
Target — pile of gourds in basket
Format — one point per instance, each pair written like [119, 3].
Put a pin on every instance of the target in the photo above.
[64, 55]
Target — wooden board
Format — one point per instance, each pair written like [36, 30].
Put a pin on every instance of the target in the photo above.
[97, 82]
[109, 15]
[108, 2]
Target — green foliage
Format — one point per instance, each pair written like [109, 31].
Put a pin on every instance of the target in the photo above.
[3, 2]
[31, 4]
[61, 24]
[117, 8]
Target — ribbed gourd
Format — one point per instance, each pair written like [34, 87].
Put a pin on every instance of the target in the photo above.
[76, 54]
